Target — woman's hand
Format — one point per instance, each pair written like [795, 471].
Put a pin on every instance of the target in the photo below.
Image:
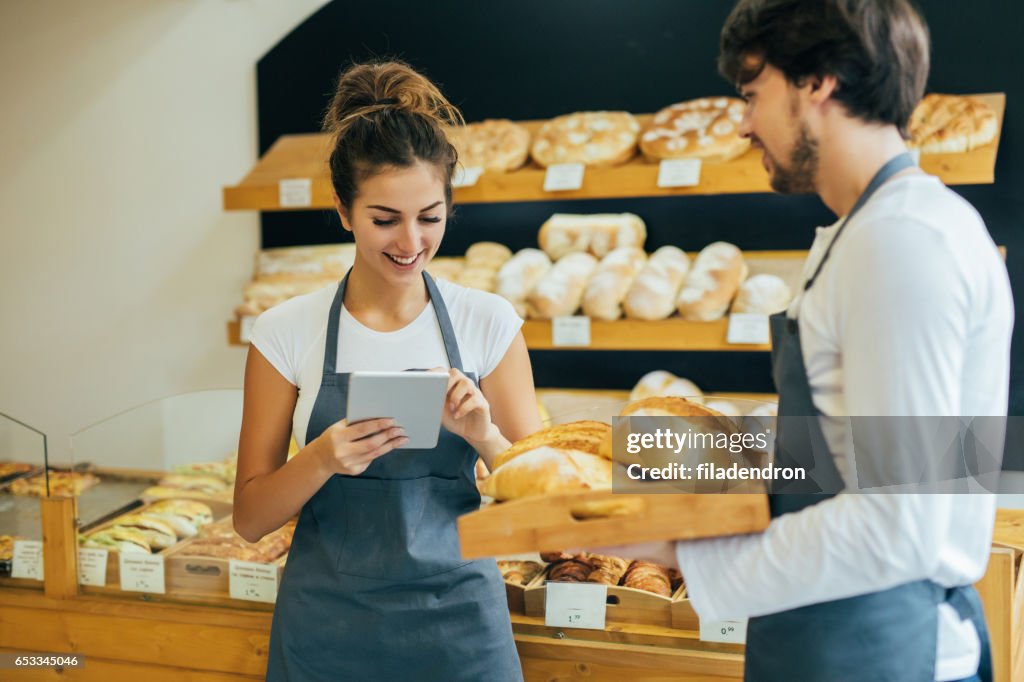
[349, 449]
[466, 411]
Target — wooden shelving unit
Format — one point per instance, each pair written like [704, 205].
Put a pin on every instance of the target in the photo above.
[304, 156]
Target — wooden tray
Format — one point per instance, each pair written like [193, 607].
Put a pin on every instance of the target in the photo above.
[552, 522]
[191, 577]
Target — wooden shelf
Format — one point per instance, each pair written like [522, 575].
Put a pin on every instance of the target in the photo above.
[671, 334]
[304, 156]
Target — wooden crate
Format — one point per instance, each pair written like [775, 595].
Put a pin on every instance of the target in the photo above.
[625, 604]
[555, 522]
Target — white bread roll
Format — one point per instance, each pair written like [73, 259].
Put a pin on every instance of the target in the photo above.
[763, 294]
[519, 275]
[598, 233]
[654, 291]
[548, 471]
[611, 281]
[712, 282]
[660, 383]
[490, 255]
[560, 291]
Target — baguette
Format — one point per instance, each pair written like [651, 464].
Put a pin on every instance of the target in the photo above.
[712, 282]
[611, 281]
[560, 291]
[653, 293]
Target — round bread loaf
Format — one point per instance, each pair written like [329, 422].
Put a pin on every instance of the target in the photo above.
[594, 138]
[706, 128]
[495, 144]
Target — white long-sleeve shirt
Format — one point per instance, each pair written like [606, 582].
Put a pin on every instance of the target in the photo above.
[911, 316]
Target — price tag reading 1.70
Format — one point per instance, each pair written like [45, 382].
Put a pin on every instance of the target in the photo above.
[575, 605]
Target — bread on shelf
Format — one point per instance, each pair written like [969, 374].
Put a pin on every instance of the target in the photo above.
[951, 124]
[560, 291]
[712, 282]
[611, 281]
[705, 128]
[496, 145]
[652, 296]
[596, 233]
[662, 383]
[594, 138]
[763, 294]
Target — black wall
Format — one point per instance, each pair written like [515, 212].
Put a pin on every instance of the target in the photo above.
[528, 59]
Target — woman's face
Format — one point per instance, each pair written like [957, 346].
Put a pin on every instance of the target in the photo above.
[398, 220]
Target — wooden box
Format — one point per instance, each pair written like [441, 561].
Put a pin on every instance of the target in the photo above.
[570, 520]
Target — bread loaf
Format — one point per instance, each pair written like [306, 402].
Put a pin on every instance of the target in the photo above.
[590, 137]
[495, 144]
[548, 471]
[662, 383]
[491, 255]
[763, 294]
[706, 128]
[652, 295]
[519, 275]
[560, 291]
[598, 233]
[584, 436]
[644, 575]
[712, 282]
[611, 281]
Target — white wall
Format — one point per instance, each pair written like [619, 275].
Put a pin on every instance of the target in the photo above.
[120, 123]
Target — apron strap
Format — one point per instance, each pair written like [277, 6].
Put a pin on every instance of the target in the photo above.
[893, 166]
[451, 344]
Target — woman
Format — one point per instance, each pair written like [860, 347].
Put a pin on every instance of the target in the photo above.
[375, 587]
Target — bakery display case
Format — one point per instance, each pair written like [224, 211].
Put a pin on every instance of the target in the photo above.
[24, 476]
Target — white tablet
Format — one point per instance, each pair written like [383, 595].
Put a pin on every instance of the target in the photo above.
[415, 400]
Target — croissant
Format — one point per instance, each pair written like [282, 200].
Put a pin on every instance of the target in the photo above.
[571, 571]
[612, 564]
[643, 575]
[603, 576]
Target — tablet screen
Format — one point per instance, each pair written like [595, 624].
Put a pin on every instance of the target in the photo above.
[415, 400]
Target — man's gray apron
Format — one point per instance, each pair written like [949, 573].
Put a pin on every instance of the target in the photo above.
[880, 637]
[375, 587]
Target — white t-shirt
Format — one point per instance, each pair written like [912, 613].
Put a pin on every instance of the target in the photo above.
[292, 337]
[911, 315]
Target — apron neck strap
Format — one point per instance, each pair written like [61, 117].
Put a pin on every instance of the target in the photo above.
[893, 166]
[451, 345]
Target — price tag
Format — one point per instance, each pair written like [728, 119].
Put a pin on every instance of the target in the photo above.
[562, 177]
[576, 605]
[252, 581]
[142, 573]
[727, 631]
[92, 567]
[748, 328]
[916, 154]
[679, 173]
[466, 177]
[245, 328]
[27, 560]
[295, 192]
[572, 330]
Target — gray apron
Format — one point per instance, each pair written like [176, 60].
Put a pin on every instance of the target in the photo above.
[375, 587]
[879, 637]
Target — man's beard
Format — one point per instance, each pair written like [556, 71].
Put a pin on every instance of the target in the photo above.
[798, 176]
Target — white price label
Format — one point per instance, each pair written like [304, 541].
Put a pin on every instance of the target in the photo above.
[142, 573]
[576, 605]
[466, 177]
[245, 328]
[27, 560]
[572, 330]
[679, 173]
[562, 177]
[726, 631]
[916, 154]
[295, 192]
[748, 328]
[92, 567]
[252, 581]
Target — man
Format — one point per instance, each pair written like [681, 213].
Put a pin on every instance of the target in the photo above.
[906, 312]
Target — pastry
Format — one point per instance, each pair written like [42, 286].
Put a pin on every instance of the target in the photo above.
[596, 233]
[478, 277]
[62, 484]
[489, 255]
[712, 282]
[644, 575]
[662, 383]
[184, 516]
[7, 546]
[12, 468]
[495, 144]
[571, 571]
[763, 294]
[128, 540]
[548, 471]
[158, 533]
[706, 128]
[653, 293]
[593, 138]
[445, 268]
[519, 572]
[611, 281]
[951, 123]
[560, 290]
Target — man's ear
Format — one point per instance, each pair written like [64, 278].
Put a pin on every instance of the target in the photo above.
[342, 212]
[822, 87]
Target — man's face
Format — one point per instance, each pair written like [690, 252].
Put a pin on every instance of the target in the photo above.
[775, 123]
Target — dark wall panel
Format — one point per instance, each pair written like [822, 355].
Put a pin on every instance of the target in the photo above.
[529, 59]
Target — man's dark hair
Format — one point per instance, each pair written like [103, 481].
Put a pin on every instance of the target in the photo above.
[878, 50]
